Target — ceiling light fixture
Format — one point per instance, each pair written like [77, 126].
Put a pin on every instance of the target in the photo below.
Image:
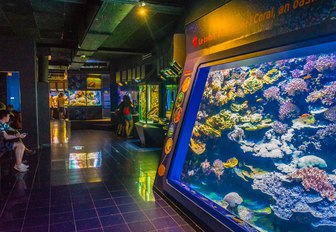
[142, 3]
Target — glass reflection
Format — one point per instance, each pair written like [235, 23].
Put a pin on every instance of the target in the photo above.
[79, 160]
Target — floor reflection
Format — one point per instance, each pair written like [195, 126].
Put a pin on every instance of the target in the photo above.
[60, 131]
[91, 182]
[18, 198]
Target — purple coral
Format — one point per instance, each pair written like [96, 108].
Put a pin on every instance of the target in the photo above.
[311, 58]
[288, 110]
[310, 65]
[314, 96]
[279, 128]
[330, 114]
[272, 93]
[218, 168]
[290, 200]
[325, 62]
[328, 94]
[327, 134]
[296, 73]
[316, 179]
[296, 86]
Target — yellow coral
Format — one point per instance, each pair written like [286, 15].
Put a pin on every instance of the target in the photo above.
[197, 147]
[272, 76]
[231, 163]
[252, 85]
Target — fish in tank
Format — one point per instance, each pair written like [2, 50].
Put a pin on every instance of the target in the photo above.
[263, 145]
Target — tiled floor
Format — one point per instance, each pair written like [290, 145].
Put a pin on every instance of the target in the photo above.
[89, 182]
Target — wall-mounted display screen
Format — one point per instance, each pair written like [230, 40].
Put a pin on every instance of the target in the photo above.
[262, 143]
[93, 98]
[93, 83]
[77, 98]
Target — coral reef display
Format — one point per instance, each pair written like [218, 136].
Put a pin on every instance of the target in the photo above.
[263, 144]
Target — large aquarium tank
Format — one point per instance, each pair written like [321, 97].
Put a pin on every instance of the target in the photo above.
[258, 140]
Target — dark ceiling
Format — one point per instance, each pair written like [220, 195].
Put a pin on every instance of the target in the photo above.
[77, 31]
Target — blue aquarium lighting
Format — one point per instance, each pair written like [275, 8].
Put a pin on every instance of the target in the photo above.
[258, 140]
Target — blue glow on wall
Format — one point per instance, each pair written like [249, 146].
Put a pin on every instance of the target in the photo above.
[13, 91]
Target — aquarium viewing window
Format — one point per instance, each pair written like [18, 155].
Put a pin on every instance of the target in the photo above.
[149, 103]
[258, 140]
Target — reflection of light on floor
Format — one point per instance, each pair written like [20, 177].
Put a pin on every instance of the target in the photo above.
[79, 160]
[59, 132]
[146, 181]
[55, 140]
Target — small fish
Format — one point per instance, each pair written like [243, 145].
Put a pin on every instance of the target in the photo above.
[307, 77]
[259, 100]
[304, 115]
[234, 218]
[203, 183]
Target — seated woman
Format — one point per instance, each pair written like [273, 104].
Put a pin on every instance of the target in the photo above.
[12, 142]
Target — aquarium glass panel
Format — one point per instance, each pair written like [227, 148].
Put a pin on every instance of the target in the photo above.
[153, 103]
[262, 144]
[170, 97]
[93, 98]
[77, 98]
[142, 103]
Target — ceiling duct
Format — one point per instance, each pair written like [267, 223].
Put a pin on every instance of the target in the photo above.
[106, 21]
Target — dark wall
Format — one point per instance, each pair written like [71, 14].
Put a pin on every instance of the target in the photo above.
[3, 88]
[19, 55]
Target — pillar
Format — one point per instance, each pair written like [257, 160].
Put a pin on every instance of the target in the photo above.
[43, 101]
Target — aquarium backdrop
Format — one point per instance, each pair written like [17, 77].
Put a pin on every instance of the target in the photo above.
[262, 139]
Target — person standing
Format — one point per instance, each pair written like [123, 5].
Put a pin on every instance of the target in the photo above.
[127, 114]
[60, 104]
[51, 106]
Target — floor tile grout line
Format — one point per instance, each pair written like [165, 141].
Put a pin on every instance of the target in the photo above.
[30, 192]
[72, 209]
[135, 203]
[135, 200]
[117, 208]
[9, 195]
[101, 225]
[119, 152]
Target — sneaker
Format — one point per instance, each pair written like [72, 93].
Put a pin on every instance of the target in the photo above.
[25, 165]
[20, 168]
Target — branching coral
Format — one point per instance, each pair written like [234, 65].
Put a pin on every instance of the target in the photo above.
[272, 93]
[218, 168]
[279, 127]
[296, 86]
[326, 62]
[327, 94]
[288, 110]
[316, 179]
